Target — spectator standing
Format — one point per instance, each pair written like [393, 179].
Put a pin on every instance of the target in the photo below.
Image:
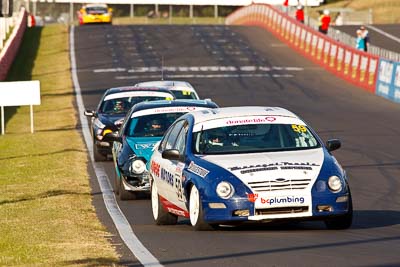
[300, 14]
[339, 20]
[360, 44]
[365, 35]
[324, 21]
[286, 5]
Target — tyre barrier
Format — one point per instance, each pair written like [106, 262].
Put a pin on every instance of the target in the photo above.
[355, 66]
[10, 50]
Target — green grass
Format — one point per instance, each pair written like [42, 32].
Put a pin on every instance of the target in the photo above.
[46, 214]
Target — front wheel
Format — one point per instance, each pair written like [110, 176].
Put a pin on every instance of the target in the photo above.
[116, 183]
[342, 221]
[97, 155]
[196, 211]
[123, 193]
[160, 215]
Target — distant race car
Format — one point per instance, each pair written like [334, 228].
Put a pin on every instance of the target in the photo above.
[181, 89]
[111, 111]
[232, 165]
[144, 127]
[95, 13]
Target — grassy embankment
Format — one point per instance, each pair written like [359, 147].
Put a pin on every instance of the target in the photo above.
[46, 215]
[383, 11]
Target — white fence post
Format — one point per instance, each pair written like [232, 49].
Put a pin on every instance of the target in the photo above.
[2, 120]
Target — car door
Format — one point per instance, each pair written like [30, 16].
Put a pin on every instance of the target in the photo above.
[171, 170]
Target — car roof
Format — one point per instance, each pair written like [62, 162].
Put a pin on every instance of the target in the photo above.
[95, 5]
[172, 85]
[134, 88]
[172, 103]
[232, 112]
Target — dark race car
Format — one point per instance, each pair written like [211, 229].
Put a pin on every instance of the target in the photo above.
[111, 110]
[143, 127]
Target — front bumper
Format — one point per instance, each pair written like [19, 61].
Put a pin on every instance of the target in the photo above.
[320, 209]
[137, 183]
[103, 147]
[96, 19]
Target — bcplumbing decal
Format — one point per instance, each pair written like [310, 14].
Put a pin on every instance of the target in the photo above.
[282, 200]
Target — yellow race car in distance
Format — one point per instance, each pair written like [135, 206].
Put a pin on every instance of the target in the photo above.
[95, 13]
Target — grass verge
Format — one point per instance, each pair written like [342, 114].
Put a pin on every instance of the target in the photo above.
[46, 214]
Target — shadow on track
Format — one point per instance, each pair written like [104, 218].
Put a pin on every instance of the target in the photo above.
[363, 219]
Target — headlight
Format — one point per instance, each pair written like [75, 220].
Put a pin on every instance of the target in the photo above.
[334, 183]
[225, 190]
[137, 167]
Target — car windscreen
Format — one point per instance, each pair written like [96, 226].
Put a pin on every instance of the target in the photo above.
[184, 95]
[151, 125]
[96, 10]
[122, 105]
[253, 138]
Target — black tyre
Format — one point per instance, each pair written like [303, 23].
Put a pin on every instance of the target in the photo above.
[343, 221]
[123, 193]
[160, 215]
[196, 211]
[97, 155]
[116, 184]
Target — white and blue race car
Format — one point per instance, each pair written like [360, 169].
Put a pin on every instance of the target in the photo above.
[231, 165]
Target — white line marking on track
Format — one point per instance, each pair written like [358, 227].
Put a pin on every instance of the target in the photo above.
[198, 69]
[208, 76]
[388, 35]
[119, 219]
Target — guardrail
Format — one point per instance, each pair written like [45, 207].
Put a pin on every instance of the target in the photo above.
[370, 72]
[10, 49]
[347, 39]
[355, 66]
[351, 41]
[6, 25]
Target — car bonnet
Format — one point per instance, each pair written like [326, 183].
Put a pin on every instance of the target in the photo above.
[266, 169]
[143, 146]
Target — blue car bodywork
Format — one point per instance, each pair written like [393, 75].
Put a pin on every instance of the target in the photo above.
[135, 143]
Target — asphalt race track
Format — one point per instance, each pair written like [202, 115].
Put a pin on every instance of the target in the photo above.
[248, 66]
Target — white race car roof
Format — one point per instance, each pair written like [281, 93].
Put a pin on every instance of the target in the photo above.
[172, 109]
[95, 5]
[138, 94]
[171, 85]
[214, 118]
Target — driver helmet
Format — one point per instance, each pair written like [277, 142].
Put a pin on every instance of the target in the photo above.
[119, 105]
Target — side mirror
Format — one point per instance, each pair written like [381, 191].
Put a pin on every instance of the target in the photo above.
[333, 144]
[110, 137]
[171, 154]
[89, 113]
